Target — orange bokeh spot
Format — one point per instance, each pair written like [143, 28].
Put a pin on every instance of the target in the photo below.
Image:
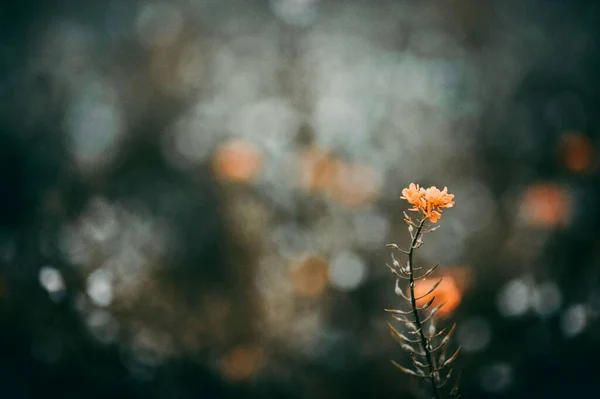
[546, 204]
[355, 184]
[318, 168]
[242, 362]
[309, 277]
[462, 275]
[576, 151]
[352, 184]
[237, 161]
[448, 291]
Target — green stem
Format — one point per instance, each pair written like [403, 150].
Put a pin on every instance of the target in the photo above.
[432, 372]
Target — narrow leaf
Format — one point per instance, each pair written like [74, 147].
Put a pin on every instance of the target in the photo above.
[401, 337]
[395, 272]
[451, 359]
[418, 363]
[449, 335]
[397, 248]
[433, 312]
[442, 357]
[406, 370]
[437, 334]
[454, 392]
[431, 328]
[430, 290]
[431, 230]
[446, 379]
[400, 292]
[428, 272]
[428, 304]
[397, 311]
[409, 219]
[402, 319]
[413, 327]
[412, 350]
[446, 339]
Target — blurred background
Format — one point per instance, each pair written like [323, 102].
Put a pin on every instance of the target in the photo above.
[196, 194]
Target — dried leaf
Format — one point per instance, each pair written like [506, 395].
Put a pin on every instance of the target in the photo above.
[428, 272]
[441, 332]
[413, 327]
[395, 272]
[433, 312]
[406, 370]
[449, 335]
[402, 319]
[418, 363]
[412, 350]
[408, 219]
[400, 292]
[446, 339]
[431, 230]
[401, 337]
[451, 359]
[442, 357]
[430, 290]
[446, 379]
[428, 304]
[454, 392]
[396, 311]
[397, 248]
[431, 328]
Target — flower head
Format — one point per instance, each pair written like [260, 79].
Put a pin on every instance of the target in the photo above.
[428, 201]
[414, 195]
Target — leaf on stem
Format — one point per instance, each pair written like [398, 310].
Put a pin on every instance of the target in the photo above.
[412, 350]
[433, 312]
[418, 363]
[433, 287]
[428, 272]
[446, 339]
[407, 371]
[397, 311]
[400, 292]
[401, 337]
[437, 334]
[446, 379]
[413, 327]
[450, 360]
[397, 248]
[402, 319]
[428, 304]
[454, 392]
[395, 272]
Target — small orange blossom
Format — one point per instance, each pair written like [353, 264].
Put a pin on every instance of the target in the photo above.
[428, 201]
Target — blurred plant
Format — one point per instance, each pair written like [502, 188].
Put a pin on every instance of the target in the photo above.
[427, 350]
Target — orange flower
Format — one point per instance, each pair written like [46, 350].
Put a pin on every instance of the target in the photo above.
[414, 195]
[437, 198]
[433, 216]
[428, 201]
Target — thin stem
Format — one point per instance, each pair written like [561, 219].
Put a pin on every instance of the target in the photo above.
[413, 302]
